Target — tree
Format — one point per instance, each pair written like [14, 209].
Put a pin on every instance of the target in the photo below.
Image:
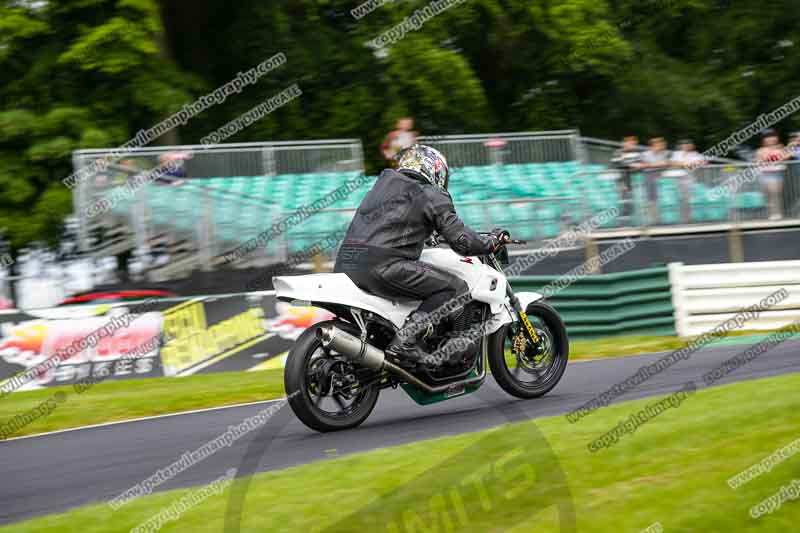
[78, 75]
[88, 73]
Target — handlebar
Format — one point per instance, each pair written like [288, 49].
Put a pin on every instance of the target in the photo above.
[439, 239]
[507, 240]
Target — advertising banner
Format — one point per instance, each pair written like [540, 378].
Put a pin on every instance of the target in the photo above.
[171, 337]
[51, 347]
[227, 333]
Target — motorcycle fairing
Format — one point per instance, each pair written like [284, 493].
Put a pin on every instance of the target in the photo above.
[339, 289]
[486, 285]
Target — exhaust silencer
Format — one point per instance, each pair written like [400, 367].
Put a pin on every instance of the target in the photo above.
[351, 347]
[371, 357]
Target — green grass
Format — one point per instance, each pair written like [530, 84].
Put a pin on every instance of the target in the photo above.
[124, 400]
[639, 344]
[624, 345]
[673, 470]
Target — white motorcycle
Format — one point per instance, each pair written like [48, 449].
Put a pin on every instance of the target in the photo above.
[336, 369]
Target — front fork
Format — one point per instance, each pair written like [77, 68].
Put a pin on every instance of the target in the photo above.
[528, 328]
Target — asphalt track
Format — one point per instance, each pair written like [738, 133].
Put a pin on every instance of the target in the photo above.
[52, 473]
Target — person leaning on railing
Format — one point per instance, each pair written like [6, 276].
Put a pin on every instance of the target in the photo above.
[172, 167]
[654, 160]
[627, 160]
[682, 162]
[771, 155]
[794, 142]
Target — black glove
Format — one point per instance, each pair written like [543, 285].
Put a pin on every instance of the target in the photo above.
[432, 241]
[498, 238]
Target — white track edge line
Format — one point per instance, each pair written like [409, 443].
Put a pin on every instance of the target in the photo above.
[140, 419]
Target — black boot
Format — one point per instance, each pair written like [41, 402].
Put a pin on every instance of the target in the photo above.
[404, 348]
[453, 351]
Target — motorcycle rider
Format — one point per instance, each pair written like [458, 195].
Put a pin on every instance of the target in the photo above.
[382, 246]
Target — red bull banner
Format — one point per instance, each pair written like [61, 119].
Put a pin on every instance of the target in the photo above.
[173, 337]
[53, 348]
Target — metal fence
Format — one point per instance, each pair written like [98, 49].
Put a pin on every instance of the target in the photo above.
[199, 161]
[600, 151]
[708, 194]
[242, 159]
[206, 216]
[531, 219]
[507, 148]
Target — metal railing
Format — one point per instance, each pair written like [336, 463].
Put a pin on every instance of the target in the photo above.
[598, 151]
[201, 220]
[708, 194]
[601, 151]
[655, 198]
[206, 220]
[531, 219]
[244, 159]
[208, 161]
[507, 148]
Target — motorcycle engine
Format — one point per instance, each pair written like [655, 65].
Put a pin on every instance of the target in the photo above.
[470, 318]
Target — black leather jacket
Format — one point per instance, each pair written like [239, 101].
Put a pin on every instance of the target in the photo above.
[397, 216]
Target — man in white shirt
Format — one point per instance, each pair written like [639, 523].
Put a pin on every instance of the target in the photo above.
[682, 163]
[654, 161]
[687, 155]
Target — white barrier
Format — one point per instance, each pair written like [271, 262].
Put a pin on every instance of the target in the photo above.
[33, 293]
[705, 296]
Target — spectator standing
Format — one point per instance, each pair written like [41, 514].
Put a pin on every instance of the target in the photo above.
[125, 169]
[683, 161]
[792, 176]
[771, 155]
[400, 138]
[794, 144]
[654, 161]
[173, 165]
[628, 160]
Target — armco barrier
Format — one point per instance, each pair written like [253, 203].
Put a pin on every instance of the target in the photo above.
[638, 302]
[707, 295]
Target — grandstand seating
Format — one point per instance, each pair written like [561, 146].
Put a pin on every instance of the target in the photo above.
[244, 206]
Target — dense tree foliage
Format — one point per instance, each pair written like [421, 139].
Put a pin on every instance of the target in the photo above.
[91, 73]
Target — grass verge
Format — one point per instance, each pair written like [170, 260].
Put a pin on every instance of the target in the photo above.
[639, 344]
[672, 470]
[125, 400]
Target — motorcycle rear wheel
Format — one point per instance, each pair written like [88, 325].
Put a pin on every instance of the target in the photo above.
[308, 366]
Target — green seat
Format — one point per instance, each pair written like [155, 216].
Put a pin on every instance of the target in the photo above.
[750, 200]
[473, 216]
[669, 215]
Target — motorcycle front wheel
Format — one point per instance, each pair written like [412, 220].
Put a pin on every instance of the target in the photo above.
[325, 390]
[526, 371]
